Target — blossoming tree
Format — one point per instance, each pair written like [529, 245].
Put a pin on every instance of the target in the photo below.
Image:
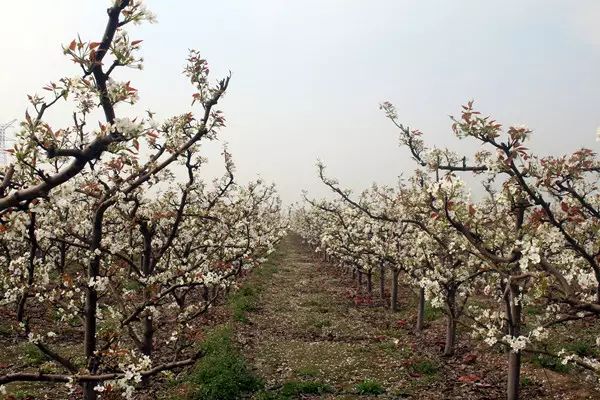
[103, 247]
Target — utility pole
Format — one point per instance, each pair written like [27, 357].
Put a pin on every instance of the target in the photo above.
[3, 140]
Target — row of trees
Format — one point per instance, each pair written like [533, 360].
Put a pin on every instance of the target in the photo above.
[111, 245]
[528, 238]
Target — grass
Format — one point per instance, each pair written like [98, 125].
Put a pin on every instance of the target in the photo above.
[582, 348]
[32, 355]
[425, 367]
[551, 363]
[295, 388]
[319, 323]
[526, 381]
[5, 329]
[308, 372]
[22, 394]
[222, 373]
[246, 299]
[242, 302]
[432, 313]
[370, 386]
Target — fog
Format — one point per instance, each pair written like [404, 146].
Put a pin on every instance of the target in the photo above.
[308, 76]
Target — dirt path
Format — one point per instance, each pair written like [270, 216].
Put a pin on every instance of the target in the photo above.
[308, 328]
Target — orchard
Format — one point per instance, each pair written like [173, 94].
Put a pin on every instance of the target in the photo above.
[528, 241]
[128, 269]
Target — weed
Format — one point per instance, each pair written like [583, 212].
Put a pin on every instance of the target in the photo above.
[432, 313]
[33, 356]
[242, 302]
[425, 367]
[222, 373]
[5, 329]
[320, 323]
[526, 381]
[551, 363]
[369, 386]
[308, 372]
[532, 310]
[294, 388]
[582, 349]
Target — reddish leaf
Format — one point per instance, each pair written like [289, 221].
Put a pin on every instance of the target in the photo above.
[73, 45]
[93, 45]
[469, 358]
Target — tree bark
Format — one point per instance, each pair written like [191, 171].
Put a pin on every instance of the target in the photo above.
[450, 322]
[360, 280]
[420, 310]
[514, 310]
[62, 247]
[450, 335]
[91, 303]
[514, 375]
[394, 294]
[33, 247]
[382, 281]
[370, 282]
[147, 270]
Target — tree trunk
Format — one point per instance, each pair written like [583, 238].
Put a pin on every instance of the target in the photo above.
[514, 375]
[450, 335]
[370, 282]
[63, 257]
[394, 295]
[147, 270]
[353, 273]
[450, 322]
[382, 281]
[33, 247]
[420, 310]
[514, 358]
[360, 280]
[91, 303]
[148, 334]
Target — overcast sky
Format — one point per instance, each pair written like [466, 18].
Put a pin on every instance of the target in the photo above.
[308, 75]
